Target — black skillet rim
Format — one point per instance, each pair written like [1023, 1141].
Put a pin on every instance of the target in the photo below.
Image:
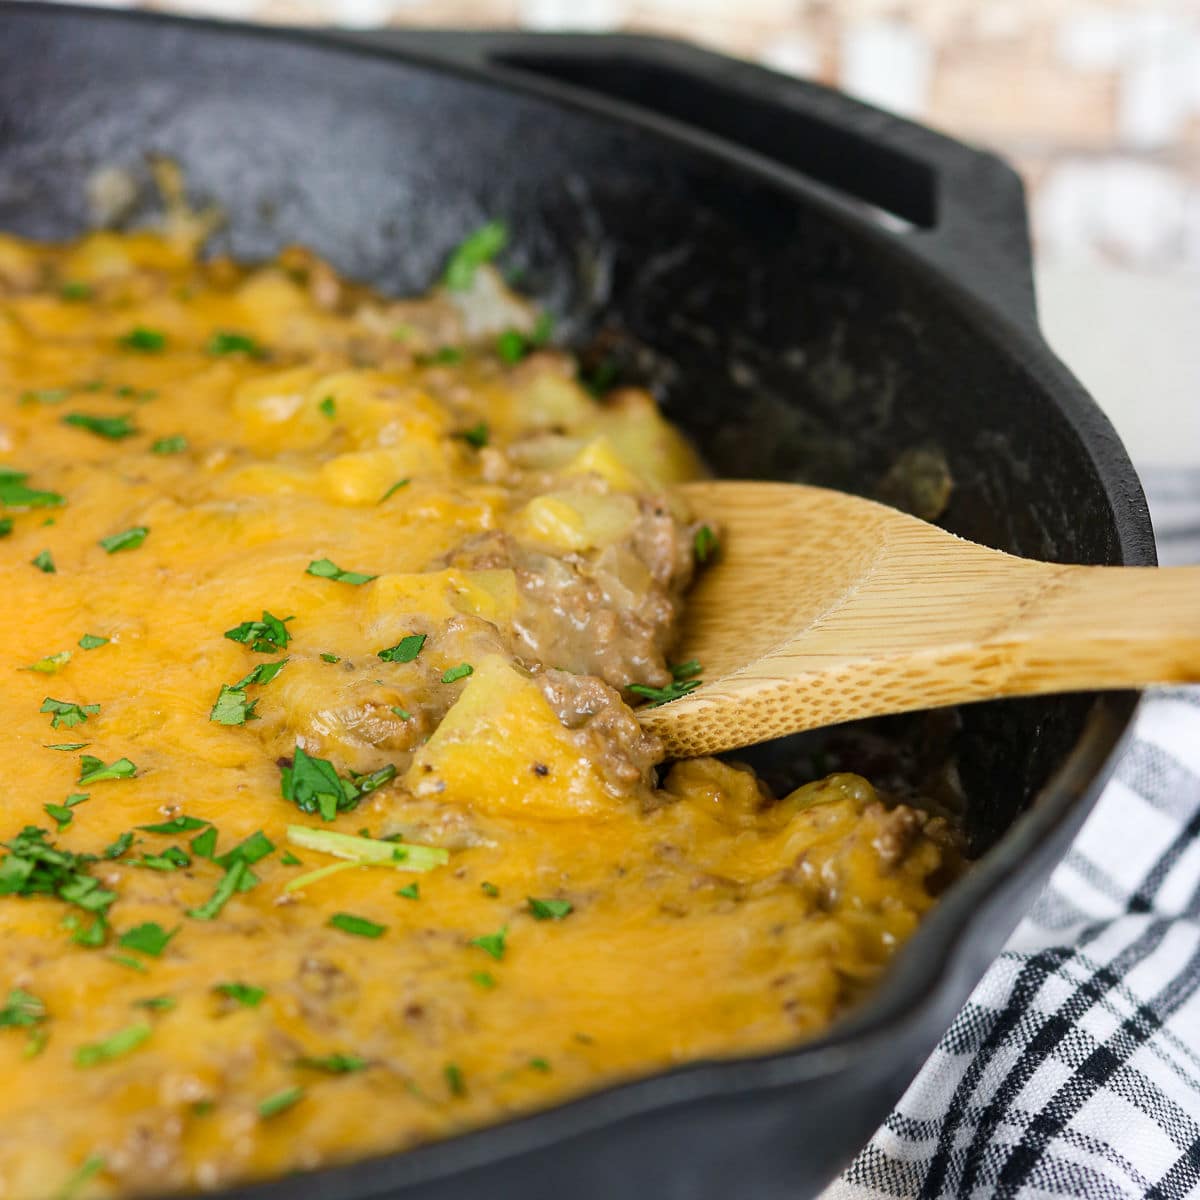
[934, 954]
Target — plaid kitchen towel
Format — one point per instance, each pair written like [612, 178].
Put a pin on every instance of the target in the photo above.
[1074, 1069]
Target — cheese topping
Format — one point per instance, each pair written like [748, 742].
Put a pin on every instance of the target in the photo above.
[328, 829]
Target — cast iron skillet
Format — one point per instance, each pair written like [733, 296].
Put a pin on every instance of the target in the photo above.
[811, 285]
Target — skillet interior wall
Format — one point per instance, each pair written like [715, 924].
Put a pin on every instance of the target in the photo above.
[784, 341]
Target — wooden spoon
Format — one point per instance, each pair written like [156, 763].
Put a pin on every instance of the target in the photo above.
[822, 607]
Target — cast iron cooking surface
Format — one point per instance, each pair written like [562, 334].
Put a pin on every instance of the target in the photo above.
[784, 329]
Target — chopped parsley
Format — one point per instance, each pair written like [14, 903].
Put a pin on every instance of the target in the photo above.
[232, 708]
[330, 658]
[224, 342]
[119, 846]
[34, 866]
[231, 882]
[686, 670]
[204, 844]
[74, 291]
[454, 1079]
[288, 859]
[51, 663]
[322, 568]
[145, 341]
[549, 910]
[61, 813]
[6, 526]
[171, 859]
[68, 745]
[472, 252]
[175, 825]
[91, 1167]
[93, 770]
[127, 539]
[113, 428]
[314, 786]
[116, 1046]
[454, 674]
[410, 891]
[539, 1064]
[444, 356]
[705, 544]
[14, 493]
[64, 714]
[263, 673]
[489, 889]
[405, 650]
[263, 637]
[244, 994]
[148, 938]
[44, 561]
[512, 346]
[249, 851]
[400, 483]
[402, 713]
[483, 979]
[664, 695]
[91, 641]
[130, 964]
[333, 1064]
[157, 1003]
[280, 1102]
[45, 395]
[359, 926]
[21, 1010]
[476, 436]
[492, 944]
[328, 407]
[175, 444]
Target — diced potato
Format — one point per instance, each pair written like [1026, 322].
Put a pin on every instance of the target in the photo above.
[576, 520]
[552, 400]
[362, 477]
[439, 595]
[599, 457]
[501, 750]
[728, 792]
[277, 412]
[646, 443]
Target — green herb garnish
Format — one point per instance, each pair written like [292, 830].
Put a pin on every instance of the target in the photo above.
[224, 342]
[444, 356]
[489, 889]
[263, 637]
[231, 707]
[483, 979]
[204, 844]
[359, 926]
[512, 346]
[539, 1064]
[410, 891]
[231, 882]
[65, 714]
[281, 1101]
[550, 910]
[480, 247]
[113, 428]
[330, 658]
[119, 846]
[44, 562]
[61, 813]
[74, 291]
[400, 483]
[492, 943]
[175, 444]
[328, 407]
[127, 539]
[148, 938]
[116, 1046]
[6, 526]
[146, 341]
[366, 851]
[245, 994]
[322, 568]
[50, 664]
[476, 436]
[454, 1079]
[182, 824]
[249, 851]
[454, 674]
[14, 493]
[93, 770]
[91, 1167]
[402, 713]
[333, 1064]
[91, 641]
[157, 1003]
[405, 650]
[705, 544]
[21, 1010]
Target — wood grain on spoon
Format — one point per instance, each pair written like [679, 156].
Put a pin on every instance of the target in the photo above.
[823, 607]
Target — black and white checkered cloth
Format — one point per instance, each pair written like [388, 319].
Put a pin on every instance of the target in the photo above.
[1074, 1069]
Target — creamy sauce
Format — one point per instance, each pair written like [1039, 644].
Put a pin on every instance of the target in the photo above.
[588, 923]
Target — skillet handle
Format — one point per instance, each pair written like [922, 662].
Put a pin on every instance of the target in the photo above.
[960, 209]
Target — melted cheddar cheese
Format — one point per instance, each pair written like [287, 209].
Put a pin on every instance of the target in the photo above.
[473, 562]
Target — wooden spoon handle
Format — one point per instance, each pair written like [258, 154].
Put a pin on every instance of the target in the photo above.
[993, 626]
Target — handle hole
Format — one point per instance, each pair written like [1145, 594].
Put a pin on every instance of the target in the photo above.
[896, 191]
